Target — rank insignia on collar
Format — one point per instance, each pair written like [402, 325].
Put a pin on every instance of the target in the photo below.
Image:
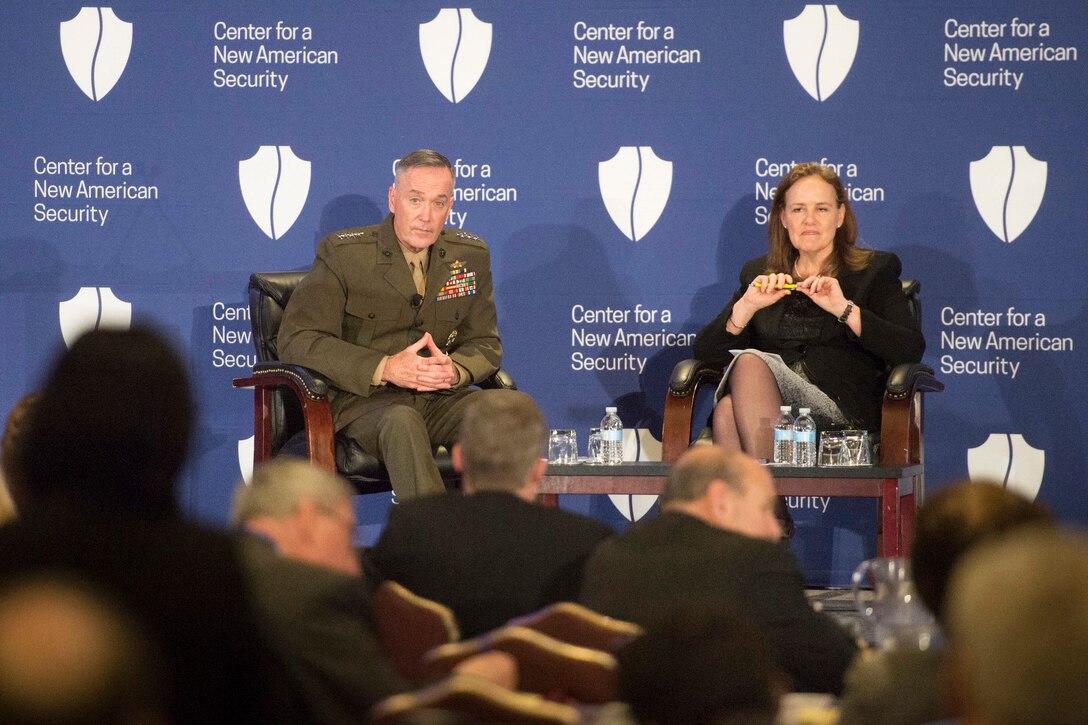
[461, 283]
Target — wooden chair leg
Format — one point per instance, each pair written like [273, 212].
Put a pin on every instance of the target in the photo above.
[889, 519]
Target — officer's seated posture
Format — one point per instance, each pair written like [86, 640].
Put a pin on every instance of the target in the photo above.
[399, 318]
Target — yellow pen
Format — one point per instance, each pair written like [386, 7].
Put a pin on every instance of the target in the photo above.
[788, 285]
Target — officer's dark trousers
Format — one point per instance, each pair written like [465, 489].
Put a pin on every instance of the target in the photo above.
[402, 428]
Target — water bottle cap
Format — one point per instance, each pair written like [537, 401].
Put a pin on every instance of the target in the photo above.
[784, 409]
[610, 409]
[804, 411]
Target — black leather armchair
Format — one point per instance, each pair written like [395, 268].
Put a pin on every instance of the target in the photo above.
[292, 414]
[901, 442]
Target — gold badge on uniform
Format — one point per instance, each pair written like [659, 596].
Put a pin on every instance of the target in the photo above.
[462, 282]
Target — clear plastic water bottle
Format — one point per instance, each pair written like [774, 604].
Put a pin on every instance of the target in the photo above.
[783, 437]
[804, 439]
[611, 436]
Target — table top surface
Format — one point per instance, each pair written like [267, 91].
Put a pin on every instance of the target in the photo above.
[660, 469]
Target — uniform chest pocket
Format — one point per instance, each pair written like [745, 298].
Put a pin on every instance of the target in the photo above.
[364, 319]
[452, 310]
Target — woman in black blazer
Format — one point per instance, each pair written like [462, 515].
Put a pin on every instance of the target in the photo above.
[825, 344]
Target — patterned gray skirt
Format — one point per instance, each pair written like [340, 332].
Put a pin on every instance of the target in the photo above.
[795, 389]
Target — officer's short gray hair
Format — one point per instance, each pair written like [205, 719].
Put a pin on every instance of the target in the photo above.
[422, 157]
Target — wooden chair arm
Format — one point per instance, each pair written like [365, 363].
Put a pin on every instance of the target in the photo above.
[312, 395]
[302, 381]
[901, 415]
[688, 378]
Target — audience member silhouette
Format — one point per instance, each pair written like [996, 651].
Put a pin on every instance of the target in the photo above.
[102, 455]
[1017, 613]
[12, 477]
[700, 665]
[955, 520]
[67, 657]
[903, 686]
[492, 554]
[716, 541]
[305, 575]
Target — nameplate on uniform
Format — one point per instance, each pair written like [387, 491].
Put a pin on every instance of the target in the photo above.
[462, 282]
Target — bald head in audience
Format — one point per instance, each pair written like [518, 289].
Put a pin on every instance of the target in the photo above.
[726, 489]
[1017, 615]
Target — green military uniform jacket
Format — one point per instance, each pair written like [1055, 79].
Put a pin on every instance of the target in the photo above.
[356, 306]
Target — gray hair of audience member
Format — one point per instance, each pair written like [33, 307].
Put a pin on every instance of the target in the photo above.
[68, 656]
[12, 468]
[280, 484]
[1017, 615]
[423, 157]
[113, 425]
[699, 662]
[956, 519]
[503, 435]
[690, 476]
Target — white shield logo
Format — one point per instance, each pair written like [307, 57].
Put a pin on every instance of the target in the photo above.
[245, 459]
[274, 184]
[1008, 187]
[820, 45]
[93, 308]
[1008, 459]
[635, 187]
[96, 45]
[455, 47]
[638, 445]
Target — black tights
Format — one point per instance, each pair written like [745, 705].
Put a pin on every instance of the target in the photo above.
[744, 415]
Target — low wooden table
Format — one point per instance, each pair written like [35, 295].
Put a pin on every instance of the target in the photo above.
[899, 488]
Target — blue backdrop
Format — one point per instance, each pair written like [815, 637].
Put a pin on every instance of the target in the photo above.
[617, 157]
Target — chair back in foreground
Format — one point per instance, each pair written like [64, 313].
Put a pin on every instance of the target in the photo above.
[546, 666]
[409, 626]
[475, 699]
[576, 624]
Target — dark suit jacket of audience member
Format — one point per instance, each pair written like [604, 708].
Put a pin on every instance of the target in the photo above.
[489, 556]
[320, 623]
[677, 557]
[180, 583]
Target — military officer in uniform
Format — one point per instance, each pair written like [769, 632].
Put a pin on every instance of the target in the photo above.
[399, 318]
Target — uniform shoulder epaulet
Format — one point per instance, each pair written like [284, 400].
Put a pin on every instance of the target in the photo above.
[460, 235]
[356, 234]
